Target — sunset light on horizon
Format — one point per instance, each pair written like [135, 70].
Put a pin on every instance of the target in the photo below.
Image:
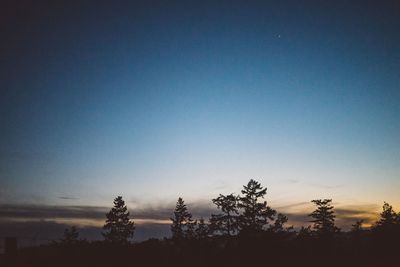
[155, 100]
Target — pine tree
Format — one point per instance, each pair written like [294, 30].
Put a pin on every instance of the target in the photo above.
[388, 217]
[255, 214]
[182, 223]
[118, 228]
[323, 217]
[226, 222]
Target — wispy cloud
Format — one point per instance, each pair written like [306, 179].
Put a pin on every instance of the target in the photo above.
[40, 224]
[345, 215]
[294, 205]
[327, 186]
[50, 212]
[33, 224]
[292, 181]
[67, 198]
[91, 213]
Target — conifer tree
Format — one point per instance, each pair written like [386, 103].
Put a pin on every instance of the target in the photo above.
[118, 228]
[226, 222]
[182, 223]
[323, 217]
[388, 217]
[255, 214]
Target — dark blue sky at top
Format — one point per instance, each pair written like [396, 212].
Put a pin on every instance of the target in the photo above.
[97, 92]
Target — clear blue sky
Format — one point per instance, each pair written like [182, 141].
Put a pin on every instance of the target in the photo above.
[155, 101]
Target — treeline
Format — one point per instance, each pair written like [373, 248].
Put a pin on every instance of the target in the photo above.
[244, 232]
[247, 214]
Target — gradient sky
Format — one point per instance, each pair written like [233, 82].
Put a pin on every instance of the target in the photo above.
[153, 100]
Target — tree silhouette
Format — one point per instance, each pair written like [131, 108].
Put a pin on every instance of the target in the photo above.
[318, 244]
[182, 224]
[357, 230]
[255, 215]
[202, 229]
[304, 232]
[278, 225]
[323, 217]
[118, 228]
[386, 232]
[357, 226]
[71, 236]
[191, 227]
[388, 217]
[226, 222]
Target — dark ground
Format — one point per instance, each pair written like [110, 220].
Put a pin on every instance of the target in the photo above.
[268, 249]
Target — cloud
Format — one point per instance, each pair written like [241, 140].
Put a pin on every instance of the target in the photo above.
[161, 215]
[82, 214]
[67, 198]
[50, 212]
[198, 210]
[34, 224]
[292, 181]
[345, 215]
[294, 205]
[325, 186]
[40, 224]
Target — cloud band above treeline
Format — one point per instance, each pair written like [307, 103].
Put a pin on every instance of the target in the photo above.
[85, 216]
[38, 224]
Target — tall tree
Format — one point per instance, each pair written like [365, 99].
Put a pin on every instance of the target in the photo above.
[255, 214]
[118, 228]
[182, 223]
[323, 217]
[226, 222]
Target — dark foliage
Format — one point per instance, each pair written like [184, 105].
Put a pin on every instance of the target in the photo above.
[225, 223]
[71, 236]
[202, 230]
[324, 218]
[193, 244]
[279, 223]
[256, 214]
[118, 228]
[182, 226]
[388, 218]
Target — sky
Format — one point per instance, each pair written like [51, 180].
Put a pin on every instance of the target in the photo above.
[153, 100]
